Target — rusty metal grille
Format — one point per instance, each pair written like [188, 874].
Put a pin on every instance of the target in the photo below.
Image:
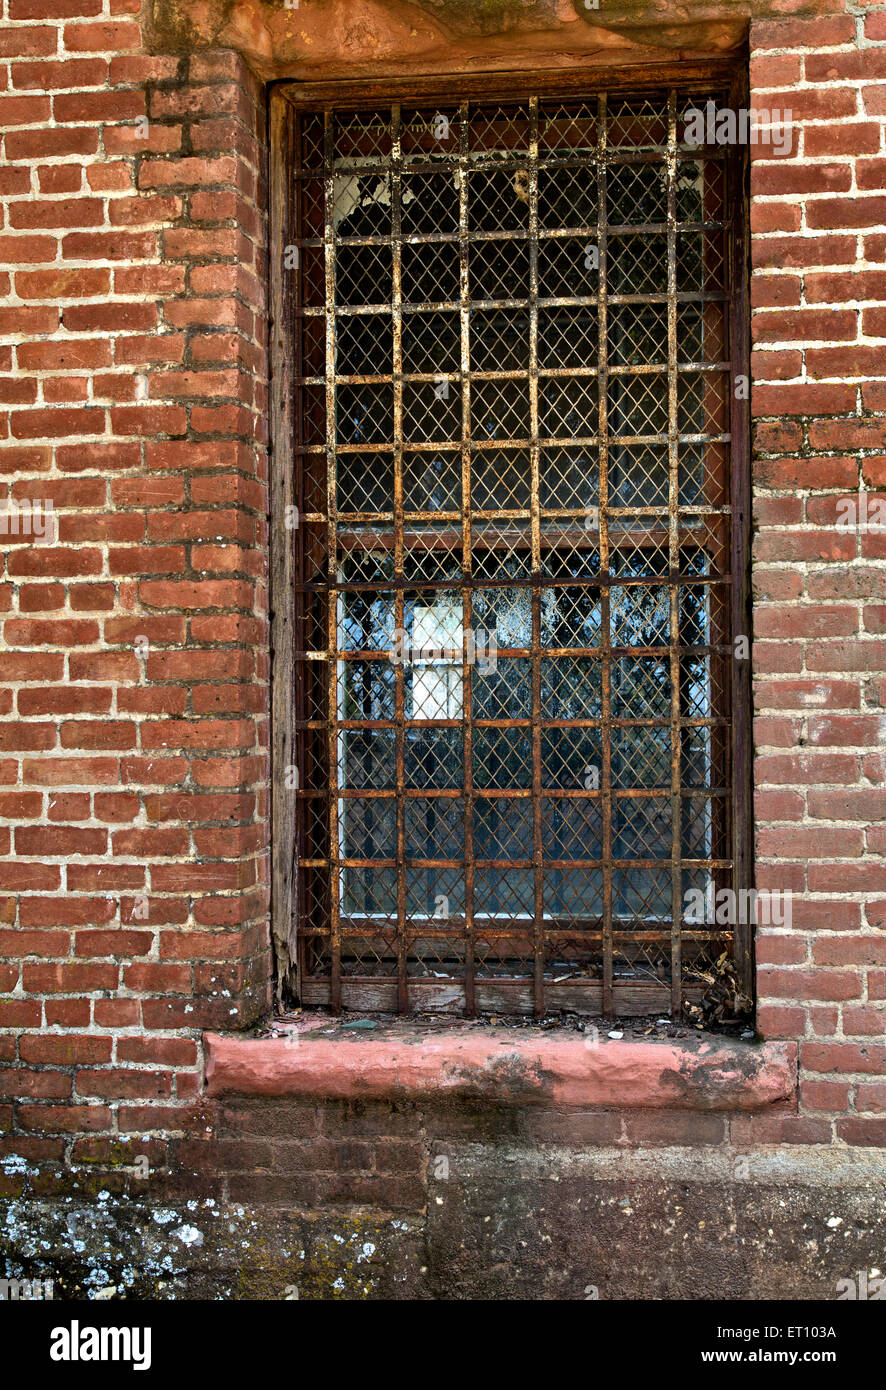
[514, 555]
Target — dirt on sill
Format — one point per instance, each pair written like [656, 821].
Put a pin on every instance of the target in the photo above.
[322, 1023]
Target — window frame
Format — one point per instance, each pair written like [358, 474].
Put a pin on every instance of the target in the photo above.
[286, 101]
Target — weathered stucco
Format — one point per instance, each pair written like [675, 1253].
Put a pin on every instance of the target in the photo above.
[328, 39]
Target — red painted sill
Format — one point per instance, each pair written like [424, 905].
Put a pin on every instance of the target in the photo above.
[508, 1068]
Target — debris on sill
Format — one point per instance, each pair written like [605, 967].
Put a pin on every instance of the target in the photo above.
[723, 1006]
[317, 1022]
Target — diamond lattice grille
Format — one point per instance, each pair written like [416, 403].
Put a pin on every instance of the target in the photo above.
[513, 712]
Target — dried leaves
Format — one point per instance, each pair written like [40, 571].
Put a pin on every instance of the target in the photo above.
[723, 1001]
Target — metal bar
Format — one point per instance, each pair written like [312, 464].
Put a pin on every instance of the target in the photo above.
[558, 929]
[535, 495]
[605, 558]
[431, 863]
[297, 672]
[399, 559]
[565, 513]
[573, 301]
[516, 235]
[584, 441]
[466, 539]
[380, 725]
[674, 566]
[545, 373]
[332, 560]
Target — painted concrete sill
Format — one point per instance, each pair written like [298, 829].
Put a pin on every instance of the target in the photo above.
[402, 1062]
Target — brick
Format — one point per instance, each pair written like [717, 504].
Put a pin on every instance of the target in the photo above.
[135, 140]
[101, 38]
[64, 700]
[109, 246]
[69, 72]
[53, 9]
[54, 424]
[846, 137]
[807, 620]
[803, 399]
[864, 1021]
[853, 66]
[830, 103]
[768, 180]
[750, 1130]
[98, 106]
[843, 361]
[71, 1119]
[786, 325]
[61, 284]
[139, 211]
[771, 291]
[795, 33]
[65, 355]
[786, 252]
[44, 1085]
[59, 178]
[780, 1021]
[42, 319]
[862, 1131]
[860, 211]
[109, 318]
[874, 99]
[113, 177]
[138, 349]
[52, 143]
[27, 41]
[871, 1096]
[69, 1050]
[118, 1084]
[16, 111]
[809, 843]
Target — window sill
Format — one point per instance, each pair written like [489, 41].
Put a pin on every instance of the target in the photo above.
[532, 1067]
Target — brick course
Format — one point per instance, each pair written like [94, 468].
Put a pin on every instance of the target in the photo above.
[818, 652]
[134, 400]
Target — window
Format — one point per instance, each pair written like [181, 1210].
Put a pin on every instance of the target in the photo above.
[518, 561]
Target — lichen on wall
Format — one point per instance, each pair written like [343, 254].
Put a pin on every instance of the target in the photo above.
[500, 1222]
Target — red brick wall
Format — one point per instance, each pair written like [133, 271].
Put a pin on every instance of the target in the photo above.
[818, 220]
[133, 776]
[133, 749]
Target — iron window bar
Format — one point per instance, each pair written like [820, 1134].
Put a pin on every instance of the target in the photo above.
[574, 455]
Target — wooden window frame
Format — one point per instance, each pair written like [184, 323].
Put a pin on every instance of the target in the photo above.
[286, 100]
